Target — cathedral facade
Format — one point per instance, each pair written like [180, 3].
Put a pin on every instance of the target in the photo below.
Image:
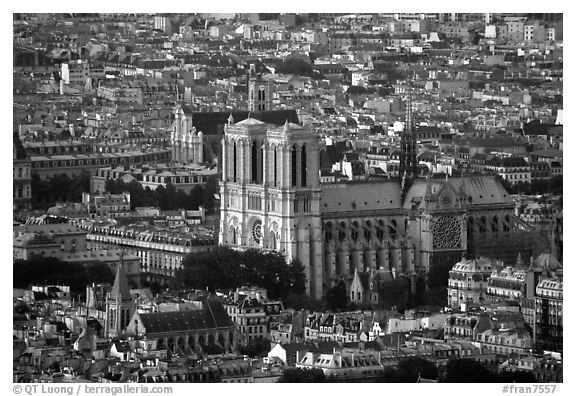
[271, 198]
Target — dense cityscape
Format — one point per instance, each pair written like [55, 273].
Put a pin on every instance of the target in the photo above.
[268, 197]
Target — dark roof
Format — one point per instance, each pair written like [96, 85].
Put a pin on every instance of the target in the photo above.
[439, 45]
[548, 153]
[121, 346]
[18, 149]
[329, 66]
[364, 279]
[339, 198]
[507, 162]
[495, 142]
[536, 127]
[556, 130]
[211, 316]
[211, 123]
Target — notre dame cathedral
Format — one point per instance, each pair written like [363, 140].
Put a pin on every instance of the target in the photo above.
[272, 198]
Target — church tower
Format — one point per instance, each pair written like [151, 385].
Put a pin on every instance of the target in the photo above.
[187, 143]
[259, 94]
[119, 306]
[270, 193]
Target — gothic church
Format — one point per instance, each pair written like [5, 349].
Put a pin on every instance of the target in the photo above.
[271, 198]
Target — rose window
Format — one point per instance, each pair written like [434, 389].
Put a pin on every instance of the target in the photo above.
[446, 233]
[257, 231]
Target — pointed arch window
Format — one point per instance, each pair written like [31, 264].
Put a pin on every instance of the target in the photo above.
[234, 160]
[294, 164]
[303, 167]
[254, 162]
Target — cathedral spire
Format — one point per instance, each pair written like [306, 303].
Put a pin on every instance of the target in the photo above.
[408, 163]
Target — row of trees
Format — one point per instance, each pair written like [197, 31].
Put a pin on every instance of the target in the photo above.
[412, 368]
[63, 188]
[552, 186]
[227, 269]
[167, 198]
[59, 188]
[457, 371]
[40, 270]
[393, 293]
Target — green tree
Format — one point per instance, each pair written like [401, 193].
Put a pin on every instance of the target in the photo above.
[467, 370]
[161, 197]
[298, 375]
[170, 196]
[213, 270]
[210, 188]
[303, 301]
[257, 347]
[51, 270]
[110, 186]
[394, 293]
[212, 349]
[295, 65]
[356, 90]
[196, 196]
[517, 376]
[337, 297]
[137, 196]
[389, 375]
[556, 184]
[224, 268]
[411, 368]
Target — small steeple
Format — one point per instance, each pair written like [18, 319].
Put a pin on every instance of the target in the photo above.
[519, 262]
[120, 289]
[230, 119]
[286, 125]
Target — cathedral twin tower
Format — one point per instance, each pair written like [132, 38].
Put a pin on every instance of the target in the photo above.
[270, 192]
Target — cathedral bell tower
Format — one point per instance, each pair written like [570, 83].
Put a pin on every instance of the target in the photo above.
[270, 193]
[259, 94]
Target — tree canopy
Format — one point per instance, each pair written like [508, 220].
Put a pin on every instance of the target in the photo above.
[468, 370]
[552, 186]
[51, 270]
[337, 297]
[295, 65]
[257, 347]
[59, 188]
[298, 375]
[409, 370]
[227, 269]
[167, 198]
